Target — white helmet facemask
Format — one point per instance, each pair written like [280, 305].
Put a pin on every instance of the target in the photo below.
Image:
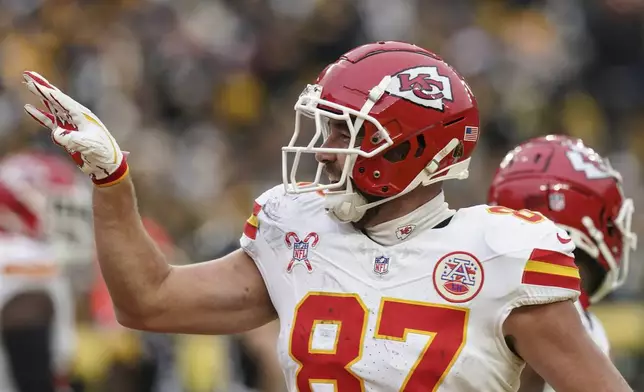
[595, 246]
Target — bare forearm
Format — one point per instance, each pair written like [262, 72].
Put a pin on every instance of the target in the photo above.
[598, 373]
[132, 266]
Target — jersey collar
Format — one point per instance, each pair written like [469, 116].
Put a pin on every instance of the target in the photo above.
[425, 217]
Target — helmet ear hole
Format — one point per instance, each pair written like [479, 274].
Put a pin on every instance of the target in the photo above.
[458, 151]
[611, 229]
[398, 153]
[421, 146]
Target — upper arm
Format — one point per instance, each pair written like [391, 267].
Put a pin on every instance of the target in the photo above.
[531, 381]
[554, 342]
[222, 296]
[227, 295]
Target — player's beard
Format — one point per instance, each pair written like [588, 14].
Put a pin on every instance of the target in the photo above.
[334, 174]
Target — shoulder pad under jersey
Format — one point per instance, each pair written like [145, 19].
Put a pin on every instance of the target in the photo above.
[509, 231]
[531, 262]
[533, 255]
[275, 211]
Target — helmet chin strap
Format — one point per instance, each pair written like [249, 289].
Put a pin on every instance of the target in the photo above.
[347, 205]
[350, 206]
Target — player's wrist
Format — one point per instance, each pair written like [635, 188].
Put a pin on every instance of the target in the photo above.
[118, 175]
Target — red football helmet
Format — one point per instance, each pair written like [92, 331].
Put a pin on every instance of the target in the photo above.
[576, 188]
[44, 197]
[400, 98]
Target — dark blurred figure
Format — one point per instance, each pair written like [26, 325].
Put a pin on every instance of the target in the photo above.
[45, 227]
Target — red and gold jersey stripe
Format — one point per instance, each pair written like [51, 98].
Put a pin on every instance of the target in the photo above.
[252, 223]
[42, 270]
[551, 268]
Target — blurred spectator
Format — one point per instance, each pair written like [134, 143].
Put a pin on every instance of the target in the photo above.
[201, 91]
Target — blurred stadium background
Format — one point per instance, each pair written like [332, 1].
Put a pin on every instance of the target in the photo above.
[201, 93]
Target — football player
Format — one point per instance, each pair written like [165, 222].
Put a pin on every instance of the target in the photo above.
[45, 226]
[575, 187]
[377, 283]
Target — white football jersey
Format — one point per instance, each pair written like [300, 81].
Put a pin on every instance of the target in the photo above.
[423, 314]
[25, 265]
[595, 329]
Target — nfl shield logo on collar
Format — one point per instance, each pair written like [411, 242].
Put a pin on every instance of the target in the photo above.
[381, 265]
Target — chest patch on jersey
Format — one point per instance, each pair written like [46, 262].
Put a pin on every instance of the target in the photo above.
[300, 249]
[458, 277]
[381, 265]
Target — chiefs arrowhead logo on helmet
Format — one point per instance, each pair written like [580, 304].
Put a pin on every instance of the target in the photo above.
[423, 86]
[411, 119]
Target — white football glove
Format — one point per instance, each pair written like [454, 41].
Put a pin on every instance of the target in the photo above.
[79, 131]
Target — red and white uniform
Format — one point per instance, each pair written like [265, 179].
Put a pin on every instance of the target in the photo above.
[563, 179]
[27, 265]
[45, 231]
[423, 314]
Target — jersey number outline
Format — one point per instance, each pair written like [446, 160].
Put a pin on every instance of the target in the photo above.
[525, 215]
[590, 169]
[445, 325]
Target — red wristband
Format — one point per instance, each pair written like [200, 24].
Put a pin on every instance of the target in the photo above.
[115, 177]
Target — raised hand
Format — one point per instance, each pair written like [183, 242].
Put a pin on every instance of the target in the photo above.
[78, 131]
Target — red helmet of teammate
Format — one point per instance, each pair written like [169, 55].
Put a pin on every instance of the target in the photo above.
[412, 118]
[44, 197]
[576, 188]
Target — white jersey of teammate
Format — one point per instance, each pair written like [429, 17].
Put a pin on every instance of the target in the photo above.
[594, 328]
[26, 265]
[424, 314]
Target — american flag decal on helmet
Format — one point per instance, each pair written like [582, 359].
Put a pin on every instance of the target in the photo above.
[471, 134]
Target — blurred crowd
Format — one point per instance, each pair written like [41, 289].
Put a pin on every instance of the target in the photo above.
[201, 93]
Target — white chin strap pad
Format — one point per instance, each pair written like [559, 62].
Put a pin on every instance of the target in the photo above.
[346, 206]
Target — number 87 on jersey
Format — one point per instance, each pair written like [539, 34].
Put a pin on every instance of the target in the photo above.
[329, 334]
